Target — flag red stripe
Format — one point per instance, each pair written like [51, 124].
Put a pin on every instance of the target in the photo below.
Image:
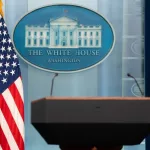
[3, 141]
[12, 125]
[18, 100]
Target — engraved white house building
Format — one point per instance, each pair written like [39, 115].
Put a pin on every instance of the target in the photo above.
[63, 32]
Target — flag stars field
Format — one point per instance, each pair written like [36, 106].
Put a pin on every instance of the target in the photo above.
[4, 40]
[1, 24]
[14, 64]
[8, 56]
[4, 80]
[15, 56]
[2, 49]
[4, 33]
[9, 48]
[7, 64]
[9, 41]
[12, 72]
[1, 56]
[5, 72]
[1, 65]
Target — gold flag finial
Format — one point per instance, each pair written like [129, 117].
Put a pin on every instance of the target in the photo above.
[1, 8]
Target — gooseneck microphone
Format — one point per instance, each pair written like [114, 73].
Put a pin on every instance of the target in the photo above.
[52, 85]
[129, 75]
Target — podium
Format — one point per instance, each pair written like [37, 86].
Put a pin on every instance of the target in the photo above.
[92, 121]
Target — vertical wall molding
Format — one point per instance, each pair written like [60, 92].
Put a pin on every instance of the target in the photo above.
[132, 46]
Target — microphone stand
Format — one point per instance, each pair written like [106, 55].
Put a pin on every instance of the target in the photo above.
[136, 83]
[56, 74]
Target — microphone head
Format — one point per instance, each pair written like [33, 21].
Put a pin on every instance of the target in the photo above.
[128, 74]
[56, 74]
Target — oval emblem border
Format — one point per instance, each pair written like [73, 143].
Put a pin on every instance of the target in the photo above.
[65, 72]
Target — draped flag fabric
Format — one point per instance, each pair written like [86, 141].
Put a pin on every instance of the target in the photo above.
[11, 95]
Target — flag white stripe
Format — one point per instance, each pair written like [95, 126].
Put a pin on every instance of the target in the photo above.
[1, 148]
[14, 111]
[10, 139]
[19, 86]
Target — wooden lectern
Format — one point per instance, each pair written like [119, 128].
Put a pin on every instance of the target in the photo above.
[92, 121]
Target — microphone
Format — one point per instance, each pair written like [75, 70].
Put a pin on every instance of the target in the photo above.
[52, 85]
[129, 75]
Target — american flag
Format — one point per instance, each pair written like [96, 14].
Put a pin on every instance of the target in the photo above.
[11, 95]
